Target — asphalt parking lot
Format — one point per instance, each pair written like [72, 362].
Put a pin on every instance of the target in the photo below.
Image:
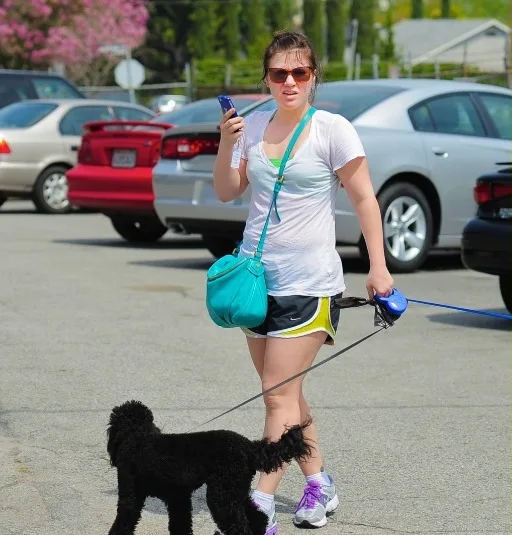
[414, 423]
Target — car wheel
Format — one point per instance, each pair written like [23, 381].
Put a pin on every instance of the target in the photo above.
[219, 246]
[408, 227]
[50, 194]
[3, 198]
[506, 291]
[138, 229]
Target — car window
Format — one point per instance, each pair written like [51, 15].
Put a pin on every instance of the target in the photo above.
[349, 100]
[18, 87]
[451, 114]
[72, 123]
[201, 111]
[24, 114]
[499, 107]
[15, 88]
[53, 87]
[352, 100]
[131, 114]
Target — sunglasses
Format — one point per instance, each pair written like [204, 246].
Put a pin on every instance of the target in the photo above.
[299, 74]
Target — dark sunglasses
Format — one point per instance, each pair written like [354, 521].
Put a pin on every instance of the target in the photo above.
[299, 74]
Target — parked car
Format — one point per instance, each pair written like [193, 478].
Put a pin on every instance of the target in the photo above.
[39, 141]
[114, 170]
[207, 110]
[487, 238]
[16, 86]
[425, 141]
[166, 103]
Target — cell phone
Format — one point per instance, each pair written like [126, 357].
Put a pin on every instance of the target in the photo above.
[226, 104]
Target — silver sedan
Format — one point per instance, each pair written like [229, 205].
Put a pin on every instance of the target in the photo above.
[426, 140]
[39, 140]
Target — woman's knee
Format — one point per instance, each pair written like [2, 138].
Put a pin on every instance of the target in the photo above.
[280, 398]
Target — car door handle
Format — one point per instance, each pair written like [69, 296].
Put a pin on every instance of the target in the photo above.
[439, 152]
[74, 148]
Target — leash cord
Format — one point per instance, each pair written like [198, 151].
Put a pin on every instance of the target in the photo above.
[462, 309]
[349, 302]
[324, 361]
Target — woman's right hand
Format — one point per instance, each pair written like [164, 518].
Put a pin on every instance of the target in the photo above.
[231, 128]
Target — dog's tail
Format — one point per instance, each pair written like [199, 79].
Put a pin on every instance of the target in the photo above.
[128, 425]
[270, 456]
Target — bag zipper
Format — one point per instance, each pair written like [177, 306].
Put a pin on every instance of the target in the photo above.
[226, 271]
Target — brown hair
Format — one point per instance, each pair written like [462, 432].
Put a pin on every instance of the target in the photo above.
[285, 41]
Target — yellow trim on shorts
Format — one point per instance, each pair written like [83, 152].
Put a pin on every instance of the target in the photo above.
[321, 321]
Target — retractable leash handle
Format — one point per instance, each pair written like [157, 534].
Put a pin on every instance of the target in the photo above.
[387, 309]
[395, 303]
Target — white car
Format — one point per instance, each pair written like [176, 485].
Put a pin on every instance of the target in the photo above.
[427, 141]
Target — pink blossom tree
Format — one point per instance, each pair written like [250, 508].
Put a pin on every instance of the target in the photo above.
[41, 33]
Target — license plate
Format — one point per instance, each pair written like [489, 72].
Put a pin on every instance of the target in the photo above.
[124, 158]
[505, 213]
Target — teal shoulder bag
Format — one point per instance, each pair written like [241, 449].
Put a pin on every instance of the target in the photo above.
[236, 291]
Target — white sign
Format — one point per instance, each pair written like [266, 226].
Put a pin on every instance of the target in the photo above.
[115, 50]
[129, 73]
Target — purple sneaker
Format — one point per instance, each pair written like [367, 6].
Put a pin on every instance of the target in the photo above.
[316, 503]
[272, 521]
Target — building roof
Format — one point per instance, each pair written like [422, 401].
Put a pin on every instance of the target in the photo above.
[424, 39]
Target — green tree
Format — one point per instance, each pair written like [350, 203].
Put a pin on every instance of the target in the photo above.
[203, 29]
[417, 9]
[229, 29]
[253, 29]
[445, 9]
[388, 44]
[335, 14]
[313, 24]
[280, 14]
[166, 50]
[364, 12]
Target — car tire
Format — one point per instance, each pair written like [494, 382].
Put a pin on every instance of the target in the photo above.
[50, 193]
[3, 198]
[406, 244]
[506, 291]
[138, 229]
[219, 246]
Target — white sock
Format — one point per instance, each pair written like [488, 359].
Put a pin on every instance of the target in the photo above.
[321, 477]
[264, 502]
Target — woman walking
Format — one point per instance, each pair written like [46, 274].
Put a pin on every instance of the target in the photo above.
[303, 270]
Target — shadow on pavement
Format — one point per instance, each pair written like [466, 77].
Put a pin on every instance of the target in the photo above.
[157, 507]
[477, 321]
[437, 261]
[177, 263]
[170, 243]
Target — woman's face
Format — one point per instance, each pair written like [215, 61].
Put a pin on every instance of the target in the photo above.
[290, 89]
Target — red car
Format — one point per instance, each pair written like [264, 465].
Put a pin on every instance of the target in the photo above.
[113, 175]
[115, 162]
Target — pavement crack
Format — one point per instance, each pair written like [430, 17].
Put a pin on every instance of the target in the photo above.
[382, 528]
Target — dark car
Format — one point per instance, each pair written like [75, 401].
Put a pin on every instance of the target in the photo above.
[487, 238]
[28, 85]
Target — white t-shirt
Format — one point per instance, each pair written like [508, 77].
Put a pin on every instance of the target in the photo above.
[299, 253]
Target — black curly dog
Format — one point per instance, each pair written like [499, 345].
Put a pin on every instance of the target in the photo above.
[172, 466]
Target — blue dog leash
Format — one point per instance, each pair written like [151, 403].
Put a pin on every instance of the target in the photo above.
[462, 309]
[387, 311]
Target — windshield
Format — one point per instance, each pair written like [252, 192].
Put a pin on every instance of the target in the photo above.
[201, 111]
[24, 114]
[349, 100]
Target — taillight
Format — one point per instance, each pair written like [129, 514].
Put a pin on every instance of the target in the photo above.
[155, 154]
[184, 148]
[85, 152]
[4, 147]
[488, 191]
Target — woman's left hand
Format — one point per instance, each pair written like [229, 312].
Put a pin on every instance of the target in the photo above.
[379, 282]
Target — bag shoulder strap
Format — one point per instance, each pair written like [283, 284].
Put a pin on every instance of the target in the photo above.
[280, 178]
